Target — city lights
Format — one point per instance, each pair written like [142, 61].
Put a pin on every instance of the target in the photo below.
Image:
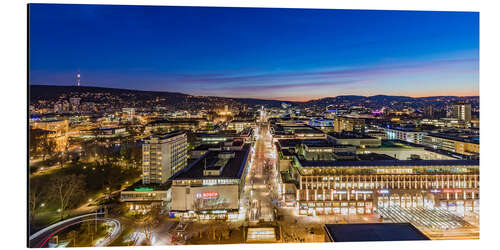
[224, 147]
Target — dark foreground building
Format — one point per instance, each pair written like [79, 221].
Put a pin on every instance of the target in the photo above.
[372, 232]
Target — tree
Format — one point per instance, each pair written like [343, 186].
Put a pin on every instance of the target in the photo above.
[148, 222]
[34, 143]
[65, 189]
[61, 158]
[114, 178]
[36, 192]
[48, 146]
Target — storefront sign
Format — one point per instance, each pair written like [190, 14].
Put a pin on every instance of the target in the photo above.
[362, 191]
[383, 191]
[207, 195]
[452, 190]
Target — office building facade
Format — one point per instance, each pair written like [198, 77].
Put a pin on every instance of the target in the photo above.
[163, 156]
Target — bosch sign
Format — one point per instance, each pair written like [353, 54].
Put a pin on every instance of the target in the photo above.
[207, 195]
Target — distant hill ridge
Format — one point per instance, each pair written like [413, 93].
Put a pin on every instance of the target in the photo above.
[52, 91]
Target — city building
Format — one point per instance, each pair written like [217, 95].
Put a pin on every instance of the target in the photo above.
[372, 232]
[429, 111]
[142, 197]
[348, 124]
[163, 156]
[462, 111]
[354, 139]
[211, 186]
[128, 113]
[240, 125]
[360, 187]
[176, 124]
[407, 151]
[325, 125]
[405, 134]
[457, 142]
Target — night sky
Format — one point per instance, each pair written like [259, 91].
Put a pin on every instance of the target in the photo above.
[286, 54]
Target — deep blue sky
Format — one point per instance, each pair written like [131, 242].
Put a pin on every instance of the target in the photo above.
[288, 54]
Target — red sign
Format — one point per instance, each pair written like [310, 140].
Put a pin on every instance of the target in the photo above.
[208, 195]
[452, 190]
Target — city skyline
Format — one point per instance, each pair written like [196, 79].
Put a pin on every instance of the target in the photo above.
[281, 54]
[158, 125]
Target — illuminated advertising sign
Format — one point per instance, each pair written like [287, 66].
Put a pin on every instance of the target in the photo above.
[383, 191]
[362, 191]
[207, 195]
[339, 191]
[435, 191]
[452, 190]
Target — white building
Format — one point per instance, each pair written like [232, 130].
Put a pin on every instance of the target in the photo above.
[407, 135]
[163, 156]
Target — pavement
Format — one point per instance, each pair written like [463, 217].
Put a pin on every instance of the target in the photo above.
[260, 188]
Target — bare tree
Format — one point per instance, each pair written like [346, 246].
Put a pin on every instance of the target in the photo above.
[48, 146]
[65, 189]
[148, 222]
[36, 192]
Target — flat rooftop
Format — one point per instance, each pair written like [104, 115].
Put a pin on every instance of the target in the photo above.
[388, 163]
[373, 232]
[289, 143]
[470, 138]
[350, 135]
[232, 169]
[166, 136]
[138, 186]
[318, 143]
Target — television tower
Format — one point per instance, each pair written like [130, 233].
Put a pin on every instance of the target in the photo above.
[78, 78]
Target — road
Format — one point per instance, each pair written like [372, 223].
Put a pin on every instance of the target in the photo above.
[261, 179]
[41, 238]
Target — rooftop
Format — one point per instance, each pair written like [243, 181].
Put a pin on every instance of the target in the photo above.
[232, 169]
[388, 163]
[373, 232]
[289, 143]
[138, 186]
[167, 135]
[470, 138]
[350, 135]
[318, 143]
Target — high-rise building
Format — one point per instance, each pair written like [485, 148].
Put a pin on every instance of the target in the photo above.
[348, 124]
[462, 111]
[163, 156]
[429, 111]
[75, 101]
